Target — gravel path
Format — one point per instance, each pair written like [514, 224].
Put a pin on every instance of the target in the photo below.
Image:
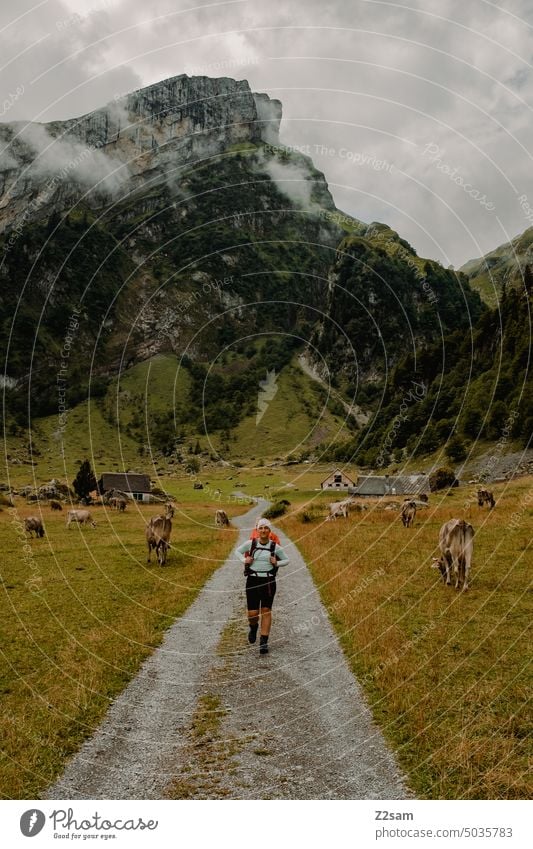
[207, 717]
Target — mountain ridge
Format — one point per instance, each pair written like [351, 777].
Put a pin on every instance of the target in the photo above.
[218, 235]
[107, 151]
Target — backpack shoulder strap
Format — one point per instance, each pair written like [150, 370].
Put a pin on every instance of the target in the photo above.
[253, 546]
[272, 547]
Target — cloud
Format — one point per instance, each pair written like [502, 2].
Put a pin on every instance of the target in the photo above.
[376, 79]
[7, 162]
[292, 180]
[67, 160]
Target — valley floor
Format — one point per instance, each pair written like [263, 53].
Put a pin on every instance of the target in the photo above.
[207, 717]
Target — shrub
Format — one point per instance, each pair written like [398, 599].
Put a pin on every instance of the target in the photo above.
[277, 509]
[311, 514]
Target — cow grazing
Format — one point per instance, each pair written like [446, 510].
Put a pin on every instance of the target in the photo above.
[80, 517]
[485, 496]
[32, 524]
[456, 543]
[408, 513]
[158, 532]
[221, 519]
[55, 505]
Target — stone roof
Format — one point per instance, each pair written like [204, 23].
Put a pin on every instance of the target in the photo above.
[125, 481]
[391, 485]
[410, 484]
[371, 485]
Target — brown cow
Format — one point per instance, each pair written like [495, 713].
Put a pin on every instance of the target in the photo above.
[456, 543]
[221, 519]
[32, 524]
[158, 532]
[485, 496]
[408, 513]
[55, 505]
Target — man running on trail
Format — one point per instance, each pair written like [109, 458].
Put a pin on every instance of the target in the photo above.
[261, 557]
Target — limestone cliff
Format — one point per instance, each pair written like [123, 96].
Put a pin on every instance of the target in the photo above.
[137, 140]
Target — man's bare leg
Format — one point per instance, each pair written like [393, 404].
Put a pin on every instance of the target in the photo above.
[266, 621]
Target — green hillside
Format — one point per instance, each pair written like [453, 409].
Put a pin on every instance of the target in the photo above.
[296, 420]
[149, 420]
[464, 389]
[501, 268]
[383, 303]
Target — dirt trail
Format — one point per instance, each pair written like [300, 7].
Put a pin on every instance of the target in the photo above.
[207, 717]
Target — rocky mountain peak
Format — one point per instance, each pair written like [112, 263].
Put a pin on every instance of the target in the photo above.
[136, 138]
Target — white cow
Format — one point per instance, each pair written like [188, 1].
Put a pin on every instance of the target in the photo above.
[338, 508]
[80, 517]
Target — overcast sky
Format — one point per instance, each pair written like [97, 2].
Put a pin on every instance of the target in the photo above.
[419, 114]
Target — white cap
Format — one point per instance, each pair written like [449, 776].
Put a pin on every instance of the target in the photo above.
[264, 522]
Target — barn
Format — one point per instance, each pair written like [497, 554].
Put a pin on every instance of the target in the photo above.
[135, 486]
[337, 480]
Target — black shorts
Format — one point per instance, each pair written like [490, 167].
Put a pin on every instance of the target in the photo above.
[260, 592]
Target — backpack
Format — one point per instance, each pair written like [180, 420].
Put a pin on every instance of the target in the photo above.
[272, 546]
[275, 537]
[255, 542]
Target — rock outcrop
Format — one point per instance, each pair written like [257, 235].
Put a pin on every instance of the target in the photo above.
[137, 140]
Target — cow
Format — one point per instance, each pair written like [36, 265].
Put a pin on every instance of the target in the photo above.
[485, 496]
[158, 532]
[55, 505]
[221, 519]
[408, 513]
[80, 517]
[456, 543]
[338, 508]
[32, 524]
[121, 504]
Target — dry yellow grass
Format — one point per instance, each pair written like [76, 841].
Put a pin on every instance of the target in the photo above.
[81, 609]
[446, 673]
